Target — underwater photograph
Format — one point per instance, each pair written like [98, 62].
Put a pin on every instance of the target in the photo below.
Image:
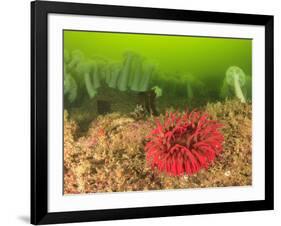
[149, 112]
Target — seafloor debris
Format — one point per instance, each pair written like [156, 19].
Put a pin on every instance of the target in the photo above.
[111, 157]
[138, 113]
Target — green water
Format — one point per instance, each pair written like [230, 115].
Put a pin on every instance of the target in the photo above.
[186, 69]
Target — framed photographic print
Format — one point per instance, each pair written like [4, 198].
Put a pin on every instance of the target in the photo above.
[144, 112]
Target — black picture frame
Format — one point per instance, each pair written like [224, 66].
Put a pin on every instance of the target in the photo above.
[39, 112]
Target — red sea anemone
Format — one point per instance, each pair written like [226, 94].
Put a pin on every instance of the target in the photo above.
[183, 143]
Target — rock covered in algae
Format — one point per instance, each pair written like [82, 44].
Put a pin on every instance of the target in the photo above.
[70, 155]
[236, 160]
[111, 156]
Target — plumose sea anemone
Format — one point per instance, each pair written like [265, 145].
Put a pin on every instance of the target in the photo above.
[183, 143]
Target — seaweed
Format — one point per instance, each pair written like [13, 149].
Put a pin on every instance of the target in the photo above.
[123, 80]
[133, 74]
[70, 87]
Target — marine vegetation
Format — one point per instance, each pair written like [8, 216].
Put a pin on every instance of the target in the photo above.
[82, 73]
[236, 83]
[86, 78]
[194, 87]
[182, 85]
[183, 143]
[70, 82]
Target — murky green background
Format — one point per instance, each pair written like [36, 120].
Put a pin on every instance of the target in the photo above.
[175, 57]
[201, 56]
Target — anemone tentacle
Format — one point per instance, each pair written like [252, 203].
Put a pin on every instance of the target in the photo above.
[184, 143]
